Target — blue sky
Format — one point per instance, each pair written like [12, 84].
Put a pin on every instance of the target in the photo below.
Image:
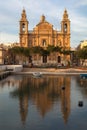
[10, 14]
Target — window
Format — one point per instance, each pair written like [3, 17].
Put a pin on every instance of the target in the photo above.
[23, 27]
[65, 27]
[44, 42]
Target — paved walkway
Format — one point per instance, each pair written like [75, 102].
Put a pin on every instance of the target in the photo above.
[59, 71]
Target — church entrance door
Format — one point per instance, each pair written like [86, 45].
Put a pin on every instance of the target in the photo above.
[44, 58]
[59, 59]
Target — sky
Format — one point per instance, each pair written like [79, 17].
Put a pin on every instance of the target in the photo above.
[10, 15]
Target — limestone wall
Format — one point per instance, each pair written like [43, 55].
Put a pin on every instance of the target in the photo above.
[15, 68]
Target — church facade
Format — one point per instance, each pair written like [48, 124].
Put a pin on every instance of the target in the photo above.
[43, 35]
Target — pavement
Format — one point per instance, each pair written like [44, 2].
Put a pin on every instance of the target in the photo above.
[58, 71]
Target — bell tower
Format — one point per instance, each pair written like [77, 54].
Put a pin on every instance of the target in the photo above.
[65, 29]
[23, 30]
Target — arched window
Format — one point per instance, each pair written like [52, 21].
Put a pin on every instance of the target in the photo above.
[65, 27]
[23, 27]
[44, 42]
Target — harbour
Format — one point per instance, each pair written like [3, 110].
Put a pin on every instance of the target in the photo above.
[50, 102]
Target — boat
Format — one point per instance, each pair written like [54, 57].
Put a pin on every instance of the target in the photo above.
[37, 74]
[83, 76]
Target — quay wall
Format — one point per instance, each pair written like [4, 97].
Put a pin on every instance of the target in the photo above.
[14, 68]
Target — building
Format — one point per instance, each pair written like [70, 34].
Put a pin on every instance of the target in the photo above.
[82, 44]
[43, 35]
[9, 45]
[2, 52]
[5, 56]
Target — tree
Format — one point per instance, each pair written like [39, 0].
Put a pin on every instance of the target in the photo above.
[18, 51]
[45, 52]
[26, 52]
[66, 51]
[52, 48]
[82, 54]
[13, 52]
[36, 50]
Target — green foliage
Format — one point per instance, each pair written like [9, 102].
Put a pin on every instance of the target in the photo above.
[57, 49]
[45, 52]
[39, 50]
[19, 51]
[24, 51]
[52, 48]
[66, 52]
[36, 50]
[82, 53]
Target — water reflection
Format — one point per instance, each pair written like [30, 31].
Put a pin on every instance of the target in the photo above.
[82, 84]
[44, 92]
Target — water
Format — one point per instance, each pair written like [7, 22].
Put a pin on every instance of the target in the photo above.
[47, 103]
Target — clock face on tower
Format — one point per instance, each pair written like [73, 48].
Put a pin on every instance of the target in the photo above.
[65, 27]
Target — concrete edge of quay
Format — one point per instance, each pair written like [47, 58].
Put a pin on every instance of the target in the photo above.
[52, 71]
[45, 71]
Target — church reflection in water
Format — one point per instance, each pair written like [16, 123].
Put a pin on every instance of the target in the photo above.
[43, 92]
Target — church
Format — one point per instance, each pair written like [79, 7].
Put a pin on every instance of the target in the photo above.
[43, 35]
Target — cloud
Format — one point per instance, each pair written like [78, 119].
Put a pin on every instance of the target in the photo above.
[78, 27]
[81, 3]
[78, 23]
[10, 14]
[8, 38]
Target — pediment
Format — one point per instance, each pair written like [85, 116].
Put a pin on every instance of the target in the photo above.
[44, 26]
